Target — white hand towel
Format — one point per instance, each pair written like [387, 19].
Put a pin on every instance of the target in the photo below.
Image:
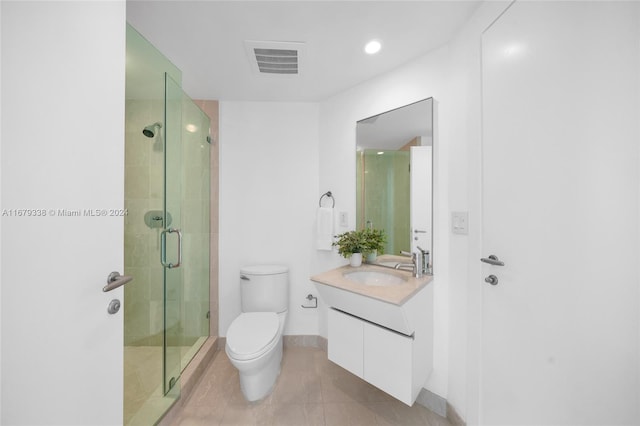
[324, 233]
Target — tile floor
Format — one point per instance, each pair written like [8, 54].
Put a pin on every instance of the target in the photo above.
[311, 390]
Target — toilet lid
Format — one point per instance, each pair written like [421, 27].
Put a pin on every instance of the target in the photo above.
[251, 334]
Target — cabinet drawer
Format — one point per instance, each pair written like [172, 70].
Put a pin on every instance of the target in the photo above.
[345, 343]
[388, 360]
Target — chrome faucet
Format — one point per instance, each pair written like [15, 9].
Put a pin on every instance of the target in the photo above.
[426, 267]
[416, 264]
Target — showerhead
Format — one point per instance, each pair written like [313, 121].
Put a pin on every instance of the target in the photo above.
[150, 130]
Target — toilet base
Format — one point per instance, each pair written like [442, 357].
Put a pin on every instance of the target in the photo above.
[258, 377]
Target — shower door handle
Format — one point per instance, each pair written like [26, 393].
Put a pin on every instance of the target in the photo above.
[163, 246]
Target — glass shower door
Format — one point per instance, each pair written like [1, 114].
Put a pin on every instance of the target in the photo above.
[171, 236]
[196, 228]
[185, 238]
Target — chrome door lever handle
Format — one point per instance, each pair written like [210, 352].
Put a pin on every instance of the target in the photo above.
[492, 260]
[115, 280]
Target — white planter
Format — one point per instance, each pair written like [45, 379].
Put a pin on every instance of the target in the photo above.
[356, 259]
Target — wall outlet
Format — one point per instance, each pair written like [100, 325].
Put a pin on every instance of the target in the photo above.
[344, 219]
[460, 223]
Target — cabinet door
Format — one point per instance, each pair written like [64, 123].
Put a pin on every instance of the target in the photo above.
[345, 341]
[388, 361]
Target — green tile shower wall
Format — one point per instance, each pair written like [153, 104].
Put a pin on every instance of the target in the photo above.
[143, 308]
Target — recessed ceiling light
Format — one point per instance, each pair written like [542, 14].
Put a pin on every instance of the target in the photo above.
[372, 47]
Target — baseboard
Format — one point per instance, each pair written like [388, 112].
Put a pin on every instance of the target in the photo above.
[222, 341]
[302, 340]
[433, 402]
[306, 341]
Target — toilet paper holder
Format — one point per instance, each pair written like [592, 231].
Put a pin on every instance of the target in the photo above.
[311, 297]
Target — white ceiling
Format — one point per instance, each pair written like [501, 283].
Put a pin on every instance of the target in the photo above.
[205, 39]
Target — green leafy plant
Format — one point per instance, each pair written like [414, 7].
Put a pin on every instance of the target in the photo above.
[362, 241]
[374, 240]
[350, 242]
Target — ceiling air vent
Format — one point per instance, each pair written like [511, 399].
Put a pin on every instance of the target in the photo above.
[275, 57]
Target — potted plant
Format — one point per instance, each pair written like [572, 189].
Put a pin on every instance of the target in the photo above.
[351, 244]
[374, 242]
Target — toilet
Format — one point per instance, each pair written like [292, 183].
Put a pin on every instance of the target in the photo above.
[254, 339]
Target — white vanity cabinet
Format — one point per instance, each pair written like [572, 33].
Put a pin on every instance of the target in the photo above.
[397, 363]
[346, 342]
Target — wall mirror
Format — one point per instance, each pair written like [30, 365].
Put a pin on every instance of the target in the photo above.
[394, 182]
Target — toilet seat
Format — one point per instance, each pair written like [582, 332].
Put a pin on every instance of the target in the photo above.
[252, 334]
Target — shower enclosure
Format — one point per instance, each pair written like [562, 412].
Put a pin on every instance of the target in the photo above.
[383, 196]
[167, 197]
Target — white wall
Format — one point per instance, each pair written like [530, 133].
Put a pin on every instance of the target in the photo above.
[425, 77]
[268, 200]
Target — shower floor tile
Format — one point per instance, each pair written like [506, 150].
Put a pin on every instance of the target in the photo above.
[310, 390]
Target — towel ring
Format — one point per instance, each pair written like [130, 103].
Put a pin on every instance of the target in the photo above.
[327, 194]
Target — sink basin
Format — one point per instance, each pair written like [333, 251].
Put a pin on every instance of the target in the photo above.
[375, 278]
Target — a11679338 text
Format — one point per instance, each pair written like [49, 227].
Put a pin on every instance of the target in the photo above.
[57, 212]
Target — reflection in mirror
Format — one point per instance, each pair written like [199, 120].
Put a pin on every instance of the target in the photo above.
[394, 166]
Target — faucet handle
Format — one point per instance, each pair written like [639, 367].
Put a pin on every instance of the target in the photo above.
[406, 253]
[417, 265]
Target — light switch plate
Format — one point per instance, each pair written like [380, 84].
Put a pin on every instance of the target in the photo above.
[344, 219]
[460, 223]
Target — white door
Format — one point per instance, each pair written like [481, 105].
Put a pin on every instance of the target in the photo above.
[62, 228]
[421, 195]
[560, 192]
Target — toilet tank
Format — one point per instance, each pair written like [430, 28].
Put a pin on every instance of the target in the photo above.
[264, 288]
